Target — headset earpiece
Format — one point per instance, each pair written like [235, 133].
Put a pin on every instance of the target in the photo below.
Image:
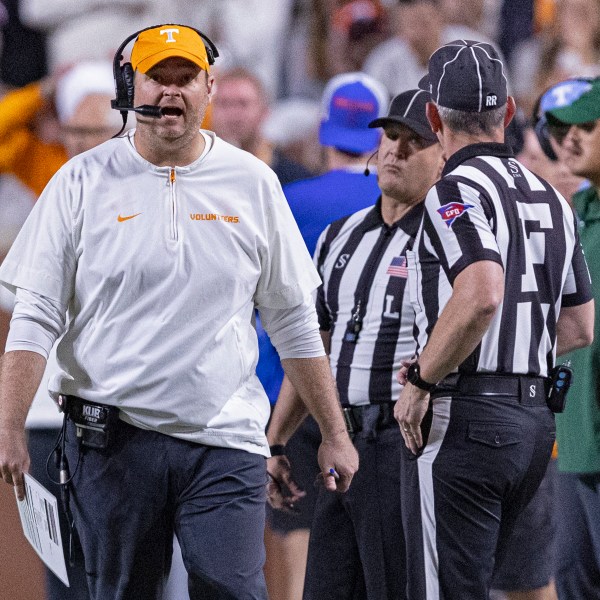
[540, 128]
[128, 75]
[123, 82]
[211, 49]
[543, 136]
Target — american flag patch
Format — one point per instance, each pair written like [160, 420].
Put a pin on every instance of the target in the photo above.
[398, 267]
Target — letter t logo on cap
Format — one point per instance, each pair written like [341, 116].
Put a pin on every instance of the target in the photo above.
[169, 33]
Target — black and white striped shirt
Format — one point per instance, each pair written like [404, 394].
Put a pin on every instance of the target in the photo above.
[362, 302]
[488, 206]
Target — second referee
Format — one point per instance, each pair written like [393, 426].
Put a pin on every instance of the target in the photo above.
[500, 287]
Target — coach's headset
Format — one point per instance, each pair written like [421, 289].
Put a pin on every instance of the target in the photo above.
[124, 76]
[572, 89]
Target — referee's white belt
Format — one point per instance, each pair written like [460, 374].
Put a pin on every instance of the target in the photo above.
[528, 390]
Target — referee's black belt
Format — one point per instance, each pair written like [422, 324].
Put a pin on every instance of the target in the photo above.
[380, 415]
[528, 390]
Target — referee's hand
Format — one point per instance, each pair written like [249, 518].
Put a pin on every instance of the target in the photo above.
[402, 373]
[409, 412]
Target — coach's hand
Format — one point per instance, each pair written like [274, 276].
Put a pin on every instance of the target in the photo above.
[338, 460]
[14, 458]
[282, 491]
[409, 412]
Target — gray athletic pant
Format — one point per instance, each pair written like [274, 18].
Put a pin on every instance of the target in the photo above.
[128, 500]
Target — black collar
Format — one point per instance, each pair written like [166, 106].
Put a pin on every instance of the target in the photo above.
[473, 150]
[409, 222]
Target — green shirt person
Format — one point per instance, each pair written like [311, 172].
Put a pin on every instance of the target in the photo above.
[578, 428]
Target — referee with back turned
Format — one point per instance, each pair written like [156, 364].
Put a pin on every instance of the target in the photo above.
[500, 287]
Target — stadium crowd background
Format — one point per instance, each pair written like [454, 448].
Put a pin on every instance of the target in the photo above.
[293, 47]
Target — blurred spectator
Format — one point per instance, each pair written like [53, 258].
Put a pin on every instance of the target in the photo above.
[33, 143]
[89, 29]
[570, 47]
[240, 106]
[82, 101]
[29, 145]
[327, 37]
[516, 25]
[259, 48]
[356, 27]
[465, 14]
[420, 27]
[292, 126]
[23, 55]
[16, 201]
[304, 51]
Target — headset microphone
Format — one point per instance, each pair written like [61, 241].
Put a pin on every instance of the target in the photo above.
[146, 109]
[367, 171]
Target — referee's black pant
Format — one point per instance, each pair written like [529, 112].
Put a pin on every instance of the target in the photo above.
[483, 460]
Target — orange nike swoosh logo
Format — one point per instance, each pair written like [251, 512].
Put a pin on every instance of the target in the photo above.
[121, 219]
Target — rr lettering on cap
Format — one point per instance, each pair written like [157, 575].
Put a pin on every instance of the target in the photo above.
[169, 33]
[491, 100]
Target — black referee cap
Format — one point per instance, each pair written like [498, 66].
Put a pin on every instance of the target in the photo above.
[408, 108]
[466, 75]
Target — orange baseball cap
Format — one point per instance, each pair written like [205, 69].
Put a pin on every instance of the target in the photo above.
[158, 43]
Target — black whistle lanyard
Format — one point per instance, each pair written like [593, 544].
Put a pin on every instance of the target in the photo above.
[365, 281]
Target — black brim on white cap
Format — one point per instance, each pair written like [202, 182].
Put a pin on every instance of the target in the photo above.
[408, 108]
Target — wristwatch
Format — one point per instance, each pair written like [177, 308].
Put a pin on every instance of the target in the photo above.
[413, 375]
[277, 450]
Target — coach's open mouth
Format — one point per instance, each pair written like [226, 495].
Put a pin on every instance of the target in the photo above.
[172, 111]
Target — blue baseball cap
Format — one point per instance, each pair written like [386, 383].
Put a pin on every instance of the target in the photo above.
[350, 102]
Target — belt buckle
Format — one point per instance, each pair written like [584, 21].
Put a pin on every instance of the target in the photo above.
[532, 391]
